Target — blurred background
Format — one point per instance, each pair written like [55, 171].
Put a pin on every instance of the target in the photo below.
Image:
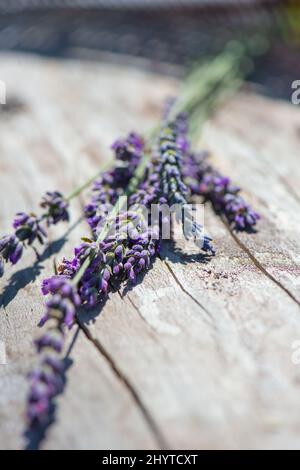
[162, 35]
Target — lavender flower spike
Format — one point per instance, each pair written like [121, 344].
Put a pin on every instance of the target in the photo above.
[56, 206]
[172, 144]
[29, 228]
[204, 180]
[46, 380]
[111, 184]
[10, 250]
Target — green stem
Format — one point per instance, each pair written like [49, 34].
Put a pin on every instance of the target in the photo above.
[200, 115]
[196, 88]
[136, 178]
[204, 78]
[198, 85]
[103, 168]
[85, 185]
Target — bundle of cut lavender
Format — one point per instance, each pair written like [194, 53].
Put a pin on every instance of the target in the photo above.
[127, 219]
[125, 240]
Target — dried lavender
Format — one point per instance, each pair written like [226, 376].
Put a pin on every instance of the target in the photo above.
[28, 228]
[112, 255]
[225, 199]
[173, 144]
[204, 180]
[11, 249]
[121, 254]
[57, 207]
[46, 379]
[125, 249]
[110, 185]
[123, 246]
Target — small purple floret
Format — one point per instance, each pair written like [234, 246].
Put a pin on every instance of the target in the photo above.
[57, 207]
[29, 228]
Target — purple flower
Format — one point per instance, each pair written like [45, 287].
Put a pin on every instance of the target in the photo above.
[204, 180]
[46, 380]
[126, 250]
[117, 258]
[111, 184]
[128, 255]
[28, 228]
[128, 149]
[170, 168]
[10, 250]
[52, 339]
[63, 302]
[57, 207]
[239, 212]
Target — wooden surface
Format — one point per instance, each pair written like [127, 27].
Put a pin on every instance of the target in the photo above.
[195, 355]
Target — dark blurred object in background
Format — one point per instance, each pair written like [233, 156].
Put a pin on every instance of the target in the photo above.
[164, 32]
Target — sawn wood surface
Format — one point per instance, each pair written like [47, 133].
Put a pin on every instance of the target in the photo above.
[196, 355]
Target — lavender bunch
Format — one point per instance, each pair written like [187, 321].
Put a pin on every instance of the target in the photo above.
[132, 240]
[205, 181]
[123, 244]
[28, 228]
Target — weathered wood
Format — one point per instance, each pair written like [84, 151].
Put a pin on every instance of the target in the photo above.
[196, 355]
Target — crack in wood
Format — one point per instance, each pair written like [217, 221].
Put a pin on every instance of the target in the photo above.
[208, 314]
[154, 327]
[134, 306]
[157, 434]
[259, 265]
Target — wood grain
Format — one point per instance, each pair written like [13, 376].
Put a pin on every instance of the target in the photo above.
[197, 354]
